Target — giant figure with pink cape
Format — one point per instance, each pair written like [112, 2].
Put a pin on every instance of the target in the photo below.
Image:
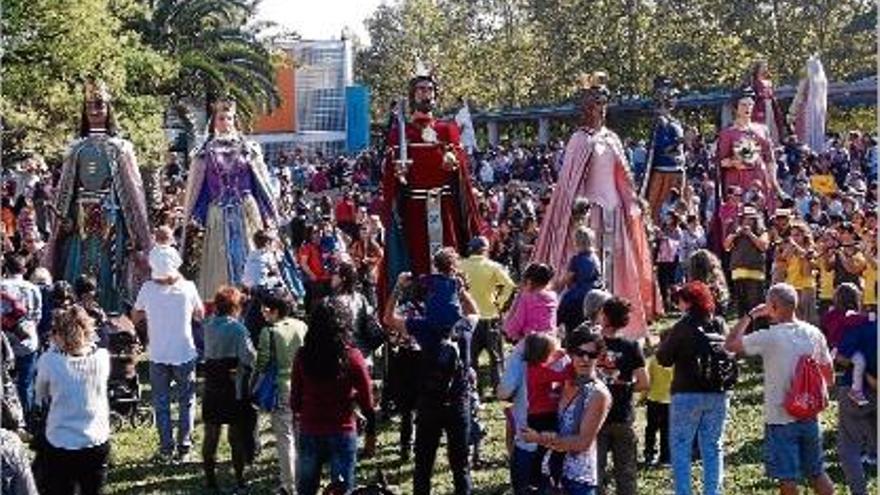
[595, 168]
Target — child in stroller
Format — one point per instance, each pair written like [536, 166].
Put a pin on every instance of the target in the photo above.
[124, 388]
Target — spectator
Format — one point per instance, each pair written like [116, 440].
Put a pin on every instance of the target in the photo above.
[443, 399]
[367, 255]
[329, 376]
[622, 366]
[229, 358]
[844, 314]
[262, 267]
[583, 408]
[534, 309]
[747, 245]
[704, 266]
[797, 255]
[170, 303]
[593, 302]
[312, 263]
[667, 261]
[72, 378]
[23, 336]
[857, 426]
[491, 286]
[793, 447]
[693, 238]
[582, 276]
[367, 334]
[279, 343]
[657, 400]
[698, 408]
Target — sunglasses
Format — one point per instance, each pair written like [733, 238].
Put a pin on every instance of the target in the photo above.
[582, 353]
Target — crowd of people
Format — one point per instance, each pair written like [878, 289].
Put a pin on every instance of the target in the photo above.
[801, 278]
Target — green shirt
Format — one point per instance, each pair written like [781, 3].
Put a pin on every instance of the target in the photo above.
[289, 335]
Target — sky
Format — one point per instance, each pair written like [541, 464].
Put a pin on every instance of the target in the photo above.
[320, 19]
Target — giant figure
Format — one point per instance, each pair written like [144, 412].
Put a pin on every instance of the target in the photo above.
[103, 230]
[767, 110]
[745, 151]
[666, 161]
[428, 198]
[228, 195]
[595, 167]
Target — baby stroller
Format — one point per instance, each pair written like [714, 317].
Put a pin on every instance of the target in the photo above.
[124, 388]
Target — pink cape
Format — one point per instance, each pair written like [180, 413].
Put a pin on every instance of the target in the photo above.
[633, 271]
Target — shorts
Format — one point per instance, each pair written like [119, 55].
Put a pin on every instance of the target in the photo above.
[793, 451]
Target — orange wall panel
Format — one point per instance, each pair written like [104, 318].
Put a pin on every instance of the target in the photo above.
[283, 118]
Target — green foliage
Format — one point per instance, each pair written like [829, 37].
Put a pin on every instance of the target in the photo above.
[50, 46]
[519, 52]
[218, 52]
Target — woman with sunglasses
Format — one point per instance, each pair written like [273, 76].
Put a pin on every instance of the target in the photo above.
[583, 406]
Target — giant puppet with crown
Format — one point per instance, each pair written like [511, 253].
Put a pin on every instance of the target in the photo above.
[595, 168]
[228, 197]
[429, 202]
[103, 229]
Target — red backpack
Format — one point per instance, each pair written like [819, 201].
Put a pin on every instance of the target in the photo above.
[808, 394]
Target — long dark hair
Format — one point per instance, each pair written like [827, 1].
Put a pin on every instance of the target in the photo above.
[111, 127]
[347, 274]
[325, 350]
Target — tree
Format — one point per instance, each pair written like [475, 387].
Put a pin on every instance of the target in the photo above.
[50, 47]
[218, 52]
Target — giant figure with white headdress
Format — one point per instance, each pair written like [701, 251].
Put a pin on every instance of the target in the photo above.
[809, 109]
[103, 230]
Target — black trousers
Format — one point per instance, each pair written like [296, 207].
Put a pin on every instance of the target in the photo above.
[487, 337]
[666, 278]
[747, 294]
[403, 386]
[431, 422]
[657, 422]
[67, 469]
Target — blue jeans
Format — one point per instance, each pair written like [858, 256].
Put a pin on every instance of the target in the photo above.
[340, 450]
[570, 487]
[703, 415]
[25, 373]
[184, 376]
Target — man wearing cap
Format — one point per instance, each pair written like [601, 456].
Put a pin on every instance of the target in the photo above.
[170, 303]
[491, 287]
[747, 245]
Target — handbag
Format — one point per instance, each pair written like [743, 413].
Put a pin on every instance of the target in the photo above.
[265, 391]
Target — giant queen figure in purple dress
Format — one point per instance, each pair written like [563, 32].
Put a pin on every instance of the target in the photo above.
[228, 195]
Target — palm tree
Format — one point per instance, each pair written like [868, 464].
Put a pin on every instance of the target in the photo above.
[218, 51]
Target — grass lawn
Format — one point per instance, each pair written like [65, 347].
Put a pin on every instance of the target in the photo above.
[132, 473]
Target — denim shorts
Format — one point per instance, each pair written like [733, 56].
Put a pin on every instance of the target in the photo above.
[793, 451]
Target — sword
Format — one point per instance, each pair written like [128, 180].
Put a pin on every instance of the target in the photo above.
[401, 165]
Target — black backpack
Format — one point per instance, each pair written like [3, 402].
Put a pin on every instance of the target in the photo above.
[717, 369]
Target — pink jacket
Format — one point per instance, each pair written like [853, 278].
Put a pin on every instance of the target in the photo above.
[532, 312]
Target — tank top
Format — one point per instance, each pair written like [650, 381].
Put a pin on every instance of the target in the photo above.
[581, 466]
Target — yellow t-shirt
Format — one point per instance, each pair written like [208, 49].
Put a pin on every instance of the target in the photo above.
[798, 276]
[661, 381]
[870, 278]
[823, 184]
[826, 283]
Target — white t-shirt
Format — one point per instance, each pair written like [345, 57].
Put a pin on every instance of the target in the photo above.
[79, 411]
[780, 348]
[169, 311]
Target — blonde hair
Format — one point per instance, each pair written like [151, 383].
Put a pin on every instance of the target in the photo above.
[73, 327]
[584, 238]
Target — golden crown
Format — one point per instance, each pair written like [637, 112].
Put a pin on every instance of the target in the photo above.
[96, 89]
[223, 105]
